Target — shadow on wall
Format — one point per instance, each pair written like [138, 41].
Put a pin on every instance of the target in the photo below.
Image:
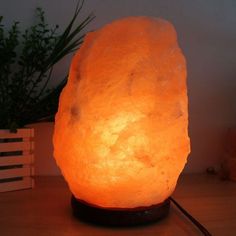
[211, 100]
[44, 162]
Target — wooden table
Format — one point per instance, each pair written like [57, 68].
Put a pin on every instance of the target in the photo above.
[45, 210]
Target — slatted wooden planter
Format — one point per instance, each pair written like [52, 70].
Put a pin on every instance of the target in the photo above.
[16, 160]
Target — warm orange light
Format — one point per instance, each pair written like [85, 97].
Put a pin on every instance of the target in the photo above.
[121, 131]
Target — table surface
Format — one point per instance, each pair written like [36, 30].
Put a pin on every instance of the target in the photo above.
[45, 210]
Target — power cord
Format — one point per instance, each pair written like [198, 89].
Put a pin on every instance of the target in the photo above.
[191, 218]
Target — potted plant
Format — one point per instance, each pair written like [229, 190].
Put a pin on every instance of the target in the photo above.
[26, 65]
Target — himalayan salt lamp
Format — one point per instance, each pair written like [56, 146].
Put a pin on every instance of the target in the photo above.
[121, 131]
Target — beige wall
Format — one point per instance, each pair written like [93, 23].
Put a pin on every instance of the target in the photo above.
[207, 35]
[44, 162]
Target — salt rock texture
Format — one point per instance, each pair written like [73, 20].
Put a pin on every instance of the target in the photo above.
[121, 131]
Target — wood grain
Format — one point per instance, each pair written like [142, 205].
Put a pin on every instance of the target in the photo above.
[21, 133]
[16, 160]
[45, 210]
[23, 183]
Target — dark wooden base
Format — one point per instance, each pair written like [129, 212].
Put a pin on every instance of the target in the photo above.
[119, 216]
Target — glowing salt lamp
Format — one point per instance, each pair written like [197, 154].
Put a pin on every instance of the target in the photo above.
[121, 131]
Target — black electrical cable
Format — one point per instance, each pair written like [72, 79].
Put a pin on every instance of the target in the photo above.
[191, 218]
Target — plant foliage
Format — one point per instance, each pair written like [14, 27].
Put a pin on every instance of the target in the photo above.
[26, 65]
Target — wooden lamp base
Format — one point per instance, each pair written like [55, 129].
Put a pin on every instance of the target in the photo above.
[119, 216]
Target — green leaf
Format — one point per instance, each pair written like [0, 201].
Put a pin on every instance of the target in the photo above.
[26, 65]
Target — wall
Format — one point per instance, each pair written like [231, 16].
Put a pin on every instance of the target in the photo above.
[207, 35]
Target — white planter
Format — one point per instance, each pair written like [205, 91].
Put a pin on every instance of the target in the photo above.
[16, 159]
